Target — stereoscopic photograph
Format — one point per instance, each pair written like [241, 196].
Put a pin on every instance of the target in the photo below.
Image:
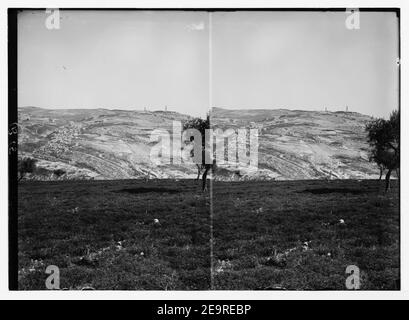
[205, 149]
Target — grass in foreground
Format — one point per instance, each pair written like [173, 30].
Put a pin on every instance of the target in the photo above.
[102, 234]
[267, 235]
[302, 235]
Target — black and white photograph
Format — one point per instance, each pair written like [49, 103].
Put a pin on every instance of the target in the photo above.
[204, 149]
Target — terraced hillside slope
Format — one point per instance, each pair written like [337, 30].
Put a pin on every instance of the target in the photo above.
[115, 144]
[297, 144]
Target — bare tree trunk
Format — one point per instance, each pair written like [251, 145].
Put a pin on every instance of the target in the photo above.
[388, 180]
[204, 178]
[198, 172]
[380, 174]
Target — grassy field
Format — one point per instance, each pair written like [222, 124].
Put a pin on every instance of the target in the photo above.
[267, 235]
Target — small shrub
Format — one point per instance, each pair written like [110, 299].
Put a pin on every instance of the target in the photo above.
[26, 165]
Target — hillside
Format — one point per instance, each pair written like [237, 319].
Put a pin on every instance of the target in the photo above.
[305, 144]
[114, 144]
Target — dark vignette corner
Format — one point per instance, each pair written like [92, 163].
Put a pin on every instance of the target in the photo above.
[12, 147]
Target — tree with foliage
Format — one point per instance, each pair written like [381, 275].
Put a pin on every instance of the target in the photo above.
[25, 165]
[201, 125]
[384, 140]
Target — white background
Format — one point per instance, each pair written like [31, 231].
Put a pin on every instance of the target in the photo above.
[200, 295]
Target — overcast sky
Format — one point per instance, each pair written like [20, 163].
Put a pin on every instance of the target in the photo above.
[135, 59]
